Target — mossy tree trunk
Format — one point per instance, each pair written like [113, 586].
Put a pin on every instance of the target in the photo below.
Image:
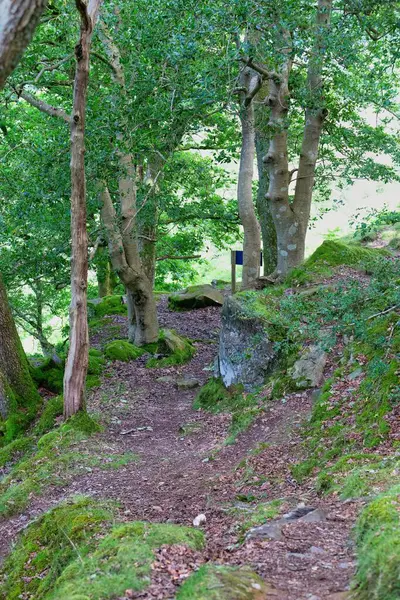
[18, 394]
[268, 231]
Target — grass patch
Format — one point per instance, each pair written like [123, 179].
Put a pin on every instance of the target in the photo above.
[378, 548]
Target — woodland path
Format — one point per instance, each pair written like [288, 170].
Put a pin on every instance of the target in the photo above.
[185, 469]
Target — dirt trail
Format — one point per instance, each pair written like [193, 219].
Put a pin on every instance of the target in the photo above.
[184, 469]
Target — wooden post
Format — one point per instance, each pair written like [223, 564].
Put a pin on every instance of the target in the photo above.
[233, 271]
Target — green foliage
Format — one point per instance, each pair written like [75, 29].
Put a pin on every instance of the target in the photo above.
[57, 556]
[122, 350]
[378, 549]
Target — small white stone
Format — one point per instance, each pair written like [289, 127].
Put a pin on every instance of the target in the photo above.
[199, 520]
[256, 586]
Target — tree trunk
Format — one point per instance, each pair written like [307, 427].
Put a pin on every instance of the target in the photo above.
[291, 219]
[18, 21]
[131, 316]
[268, 231]
[77, 363]
[18, 395]
[124, 253]
[314, 119]
[103, 272]
[251, 228]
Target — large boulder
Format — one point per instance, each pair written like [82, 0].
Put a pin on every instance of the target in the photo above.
[246, 352]
[196, 296]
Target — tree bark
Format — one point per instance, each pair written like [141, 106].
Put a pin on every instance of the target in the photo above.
[291, 219]
[268, 231]
[251, 229]
[77, 362]
[136, 274]
[17, 391]
[126, 262]
[18, 21]
[103, 272]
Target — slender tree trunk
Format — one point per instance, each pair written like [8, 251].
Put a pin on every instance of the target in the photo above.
[248, 218]
[18, 21]
[77, 363]
[148, 220]
[314, 119]
[18, 394]
[268, 231]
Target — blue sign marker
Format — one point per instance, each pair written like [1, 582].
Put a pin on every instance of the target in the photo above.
[239, 257]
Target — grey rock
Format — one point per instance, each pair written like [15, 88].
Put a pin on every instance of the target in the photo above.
[187, 383]
[308, 371]
[317, 550]
[270, 531]
[355, 374]
[166, 379]
[316, 516]
[273, 530]
[246, 354]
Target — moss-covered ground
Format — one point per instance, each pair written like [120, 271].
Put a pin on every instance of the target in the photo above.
[53, 459]
[79, 551]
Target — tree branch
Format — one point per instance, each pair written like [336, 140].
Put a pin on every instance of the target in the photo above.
[44, 107]
[172, 257]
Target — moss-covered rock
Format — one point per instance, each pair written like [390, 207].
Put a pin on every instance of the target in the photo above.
[110, 305]
[196, 296]
[76, 551]
[333, 253]
[247, 352]
[122, 350]
[216, 582]
[53, 408]
[172, 349]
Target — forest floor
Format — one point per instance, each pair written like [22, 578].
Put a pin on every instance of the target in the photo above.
[184, 468]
